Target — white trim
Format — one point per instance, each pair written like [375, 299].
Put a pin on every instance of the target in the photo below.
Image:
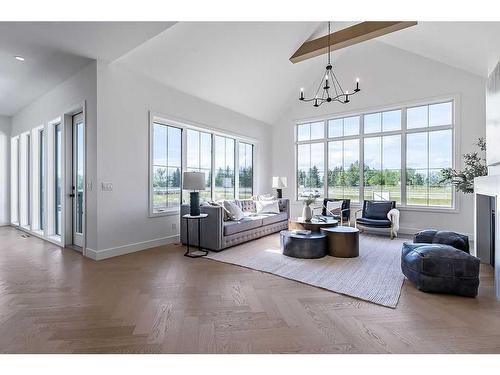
[130, 248]
[155, 117]
[168, 211]
[185, 124]
[374, 109]
[403, 132]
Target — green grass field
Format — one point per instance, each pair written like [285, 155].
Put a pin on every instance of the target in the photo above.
[416, 196]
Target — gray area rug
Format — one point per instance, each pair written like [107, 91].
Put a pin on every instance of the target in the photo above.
[374, 276]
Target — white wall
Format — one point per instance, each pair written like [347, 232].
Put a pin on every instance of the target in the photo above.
[125, 99]
[390, 76]
[5, 125]
[74, 91]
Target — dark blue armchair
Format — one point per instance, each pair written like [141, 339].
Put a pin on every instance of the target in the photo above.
[374, 215]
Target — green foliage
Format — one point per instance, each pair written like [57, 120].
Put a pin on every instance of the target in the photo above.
[246, 177]
[475, 166]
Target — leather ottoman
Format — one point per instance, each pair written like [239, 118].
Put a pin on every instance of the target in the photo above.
[439, 268]
[457, 240]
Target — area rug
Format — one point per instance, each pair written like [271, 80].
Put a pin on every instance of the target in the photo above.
[374, 276]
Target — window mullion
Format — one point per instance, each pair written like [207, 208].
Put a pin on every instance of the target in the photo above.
[403, 156]
[361, 159]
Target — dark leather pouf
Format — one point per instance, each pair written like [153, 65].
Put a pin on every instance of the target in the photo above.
[440, 268]
[457, 240]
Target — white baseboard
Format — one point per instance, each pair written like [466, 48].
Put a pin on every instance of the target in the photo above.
[129, 248]
[407, 231]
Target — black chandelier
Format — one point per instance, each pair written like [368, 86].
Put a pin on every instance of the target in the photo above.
[329, 89]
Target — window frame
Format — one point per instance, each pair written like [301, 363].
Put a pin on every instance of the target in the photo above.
[155, 117]
[172, 210]
[252, 146]
[404, 106]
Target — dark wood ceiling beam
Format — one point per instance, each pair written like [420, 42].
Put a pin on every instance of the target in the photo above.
[347, 37]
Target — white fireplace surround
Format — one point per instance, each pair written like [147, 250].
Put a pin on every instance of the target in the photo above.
[489, 186]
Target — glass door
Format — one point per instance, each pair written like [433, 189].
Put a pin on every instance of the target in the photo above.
[78, 193]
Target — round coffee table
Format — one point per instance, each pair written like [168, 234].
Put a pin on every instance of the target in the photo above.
[306, 246]
[314, 225]
[343, 241]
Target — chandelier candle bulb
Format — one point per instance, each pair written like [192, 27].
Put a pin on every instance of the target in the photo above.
[357, 85]
[302, 94]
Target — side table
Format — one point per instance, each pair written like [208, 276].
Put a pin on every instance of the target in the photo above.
[198, 218]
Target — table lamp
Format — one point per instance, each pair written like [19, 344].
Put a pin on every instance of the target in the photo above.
[194, 181]
[279, 183]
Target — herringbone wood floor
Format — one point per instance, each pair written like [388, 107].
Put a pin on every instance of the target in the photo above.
[157, 301]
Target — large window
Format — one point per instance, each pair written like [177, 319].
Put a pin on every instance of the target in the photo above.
[226, 161]
[388, 155]
[310, 169]
[429, 151]
[382, 168]
[224, 168]
[24, 180]
[167, 166]
[58, 179]
[199, 159]
[41, 179]
[246, 170]
[14, 180]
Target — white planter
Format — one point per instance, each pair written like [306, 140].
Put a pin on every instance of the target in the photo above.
[307, 213]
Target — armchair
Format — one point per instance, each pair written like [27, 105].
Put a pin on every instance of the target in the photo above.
[374, 215]
[345, 211]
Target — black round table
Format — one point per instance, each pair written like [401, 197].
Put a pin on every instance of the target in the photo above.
[305, 246]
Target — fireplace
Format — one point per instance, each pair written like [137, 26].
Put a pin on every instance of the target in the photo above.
[485, 232]
[486, 223]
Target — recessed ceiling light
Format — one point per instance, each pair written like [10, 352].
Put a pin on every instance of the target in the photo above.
[19, 58]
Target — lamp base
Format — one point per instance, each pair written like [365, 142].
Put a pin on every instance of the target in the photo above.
[194, 205]
[279, 193]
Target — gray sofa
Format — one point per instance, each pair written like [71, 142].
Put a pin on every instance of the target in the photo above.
[218, 234]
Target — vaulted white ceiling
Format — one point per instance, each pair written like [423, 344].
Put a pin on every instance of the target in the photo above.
[243, 66]
[239, 65]
[54, 51]
[246, 67]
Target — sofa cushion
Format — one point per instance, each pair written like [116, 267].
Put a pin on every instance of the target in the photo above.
[247, 223]
[440, 268]
[382, 223]
[274, 218]
[377, 209]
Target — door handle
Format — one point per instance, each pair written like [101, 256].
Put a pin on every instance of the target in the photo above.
[72, 195]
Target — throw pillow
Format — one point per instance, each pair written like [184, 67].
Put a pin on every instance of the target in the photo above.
[227, 214]
[267, 207]
[235, 212]
[335, 207]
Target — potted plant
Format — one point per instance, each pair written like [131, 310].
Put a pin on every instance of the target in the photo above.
[475, 166]
[307, 212]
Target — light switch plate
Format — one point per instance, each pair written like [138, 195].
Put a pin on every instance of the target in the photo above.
[107, 186]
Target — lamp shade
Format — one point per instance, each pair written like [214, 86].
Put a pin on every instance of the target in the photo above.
[193, 181]
[279, 182]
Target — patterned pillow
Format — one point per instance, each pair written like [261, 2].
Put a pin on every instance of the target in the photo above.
[235, 212]
[227, 214]
[335, 207]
